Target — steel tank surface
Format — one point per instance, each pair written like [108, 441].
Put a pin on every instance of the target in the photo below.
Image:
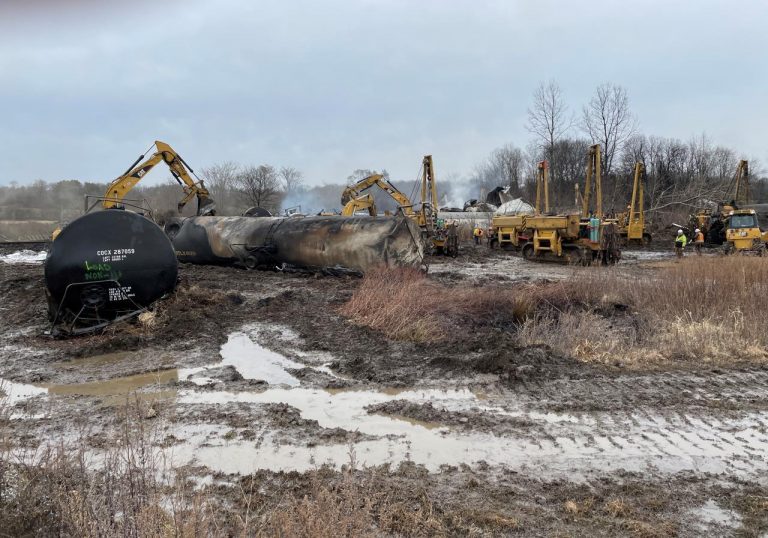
[106, 265]
[356, 243]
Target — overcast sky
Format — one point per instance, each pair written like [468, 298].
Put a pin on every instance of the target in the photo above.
[331, 86]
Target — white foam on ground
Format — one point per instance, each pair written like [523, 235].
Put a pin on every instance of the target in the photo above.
[24, 256]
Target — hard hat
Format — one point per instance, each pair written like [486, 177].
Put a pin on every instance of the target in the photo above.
[697, 230]
[679, 232]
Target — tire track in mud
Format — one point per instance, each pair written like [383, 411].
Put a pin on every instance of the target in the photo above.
[708, 422]
[727, 390]
[654, 444]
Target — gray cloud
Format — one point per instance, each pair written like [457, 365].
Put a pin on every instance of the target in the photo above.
[329, 87]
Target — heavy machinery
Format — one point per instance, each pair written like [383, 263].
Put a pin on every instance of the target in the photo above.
[542, 187]
[352, 198]
[570, 238]
[714, 223]
[743, 234]
[181, 172]
[631, 223]
[440, 236]
[361, 203]
[114, 197]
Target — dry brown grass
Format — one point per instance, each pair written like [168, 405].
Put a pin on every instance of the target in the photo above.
[701, 309]
[404, 304]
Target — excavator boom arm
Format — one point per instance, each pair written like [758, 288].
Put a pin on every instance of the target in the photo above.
[180, 171]
[353, 192]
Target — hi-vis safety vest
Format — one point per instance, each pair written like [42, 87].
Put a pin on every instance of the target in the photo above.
[681, 241]
[478, 232]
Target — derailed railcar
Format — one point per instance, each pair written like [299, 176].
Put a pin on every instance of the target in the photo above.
[106, 266]
[352, 243]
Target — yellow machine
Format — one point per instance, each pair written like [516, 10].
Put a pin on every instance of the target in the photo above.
[181, 172]
[360, 203]
[631, 223]
[569, 238]
[741, 193]
[442, 237]
[114, 196]
[542, 186]
[714, 224]
[742, 233]
[352, 197]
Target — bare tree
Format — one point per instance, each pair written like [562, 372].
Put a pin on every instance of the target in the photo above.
[220, 180]
[260, 186]
[608, 121]
[293, 179]
[548, 118]
[503, 167]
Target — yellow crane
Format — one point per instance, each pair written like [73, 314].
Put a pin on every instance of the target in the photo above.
[632, 221]
[117, 190]
[542, 186]
[741, 193]
[568, 238]
[594, 176]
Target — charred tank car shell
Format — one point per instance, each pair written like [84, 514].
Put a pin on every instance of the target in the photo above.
[355, 243]
[106, 265]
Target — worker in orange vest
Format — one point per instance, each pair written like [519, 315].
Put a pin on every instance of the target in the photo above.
[698, 241]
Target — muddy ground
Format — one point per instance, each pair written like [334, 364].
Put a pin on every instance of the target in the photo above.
[255, 374]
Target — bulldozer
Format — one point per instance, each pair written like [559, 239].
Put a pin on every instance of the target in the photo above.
[575, 238]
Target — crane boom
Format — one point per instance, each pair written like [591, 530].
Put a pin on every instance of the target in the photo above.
[181, 172]
[594, 175]
[353, 192]
[542, 186]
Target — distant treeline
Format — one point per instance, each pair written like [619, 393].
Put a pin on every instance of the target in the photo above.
[679, 175]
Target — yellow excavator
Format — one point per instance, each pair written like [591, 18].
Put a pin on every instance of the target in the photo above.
[442, 236]
[181, 171]
[353, 200]
[114, 196]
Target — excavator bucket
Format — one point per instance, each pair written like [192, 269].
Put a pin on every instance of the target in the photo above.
[206, 207]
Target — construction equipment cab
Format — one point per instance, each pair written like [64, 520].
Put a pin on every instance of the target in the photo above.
[181, 172]
[743, 234]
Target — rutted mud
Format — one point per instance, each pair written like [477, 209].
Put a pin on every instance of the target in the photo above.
[256, 372]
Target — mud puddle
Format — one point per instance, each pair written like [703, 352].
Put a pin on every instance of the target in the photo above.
[14, 393]
[251, 360]
[554, 445]
[509, 267]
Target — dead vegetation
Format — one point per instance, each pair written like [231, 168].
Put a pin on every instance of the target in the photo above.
[406, 305]
[700, 309]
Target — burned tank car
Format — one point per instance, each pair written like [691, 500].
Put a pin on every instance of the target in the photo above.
[104, 266]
